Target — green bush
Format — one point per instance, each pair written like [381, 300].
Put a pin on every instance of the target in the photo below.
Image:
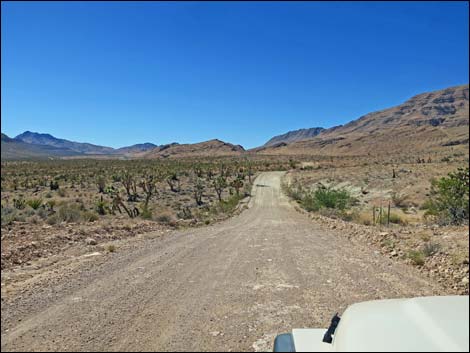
[449, 200]
[146, 213]
[417, 257]
[327, 198]
[34, 203]
[101, 207]
[229, 205]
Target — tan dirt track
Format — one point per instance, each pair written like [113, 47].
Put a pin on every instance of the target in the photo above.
[230, 286]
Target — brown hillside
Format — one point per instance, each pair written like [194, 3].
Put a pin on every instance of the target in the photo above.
[208, 148]
[427, 122]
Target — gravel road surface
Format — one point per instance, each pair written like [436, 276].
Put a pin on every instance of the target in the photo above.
[230, 286]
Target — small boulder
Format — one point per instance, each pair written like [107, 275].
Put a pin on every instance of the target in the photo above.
[90, 241]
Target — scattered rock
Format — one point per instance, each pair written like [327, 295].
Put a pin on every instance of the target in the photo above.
[90, 241]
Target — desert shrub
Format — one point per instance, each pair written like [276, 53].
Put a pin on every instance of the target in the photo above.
[426, 205]
[101, 207]
[89, 216]
[8, 215]
[417, 257]
[165, 218]
[325, 197]
[185, 213]
[336, 214]
[430, 248]
[34, 203]
[111, 248]
[229, 205]
[294, 191]
[50, 204]
[19, 204]
[28, 212]
[69, 214]
[400, 200]
[146, 213]
[62, 193]
[449, 199]
[101, 183]
[42, 213]
[361, 218]
[34, 219]
[396, 219]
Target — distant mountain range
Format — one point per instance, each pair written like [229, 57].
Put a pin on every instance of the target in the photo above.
[427, 122]
[36, 145]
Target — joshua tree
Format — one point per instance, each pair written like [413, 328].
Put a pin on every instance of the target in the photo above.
[101, 183]
[118, 203]
[173, 179]
[149, 185]
[130, 185]
[220, 183]
[198, 191]
[249, 171]
[237, 185]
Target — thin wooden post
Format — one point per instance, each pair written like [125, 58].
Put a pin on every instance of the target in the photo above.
[381, 214]
[388, 214]
[373, 214]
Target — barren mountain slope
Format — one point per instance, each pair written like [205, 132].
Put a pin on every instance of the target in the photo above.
[208, 148]
[294, 136]
[427, 122]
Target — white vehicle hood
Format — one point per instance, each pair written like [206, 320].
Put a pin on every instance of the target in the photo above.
[418, 324]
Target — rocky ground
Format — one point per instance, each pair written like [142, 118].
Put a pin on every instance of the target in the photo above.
[447, 264]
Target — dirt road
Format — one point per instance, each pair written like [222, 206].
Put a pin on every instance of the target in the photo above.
[231, 286]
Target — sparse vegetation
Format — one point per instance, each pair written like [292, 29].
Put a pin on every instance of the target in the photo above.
[34, 203]
[125, 188]
[321, 197]
[430, 249]
[417, 257]
[449, 198]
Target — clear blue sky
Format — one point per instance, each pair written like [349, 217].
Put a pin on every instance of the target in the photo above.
[122, 73]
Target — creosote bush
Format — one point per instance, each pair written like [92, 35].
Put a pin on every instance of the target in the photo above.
[449, 199]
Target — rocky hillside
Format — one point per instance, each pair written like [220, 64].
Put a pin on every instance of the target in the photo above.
[208, 148]
[427, 122]
[294, 136]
